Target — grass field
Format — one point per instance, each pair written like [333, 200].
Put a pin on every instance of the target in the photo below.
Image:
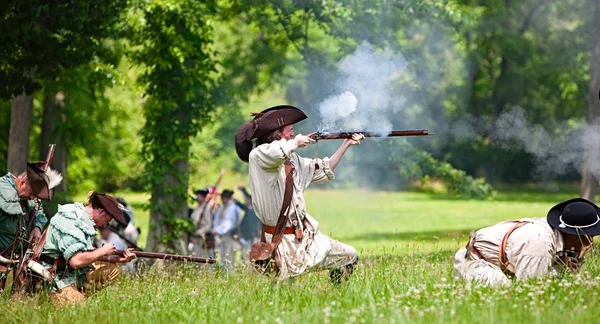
[405, 241]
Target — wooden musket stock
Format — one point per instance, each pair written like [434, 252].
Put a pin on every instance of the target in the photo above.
[408, 132]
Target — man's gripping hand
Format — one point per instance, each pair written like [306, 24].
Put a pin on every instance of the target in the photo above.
[303, 140]
[34, 236]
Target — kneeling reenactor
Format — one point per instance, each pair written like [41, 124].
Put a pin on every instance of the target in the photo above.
[69, 254]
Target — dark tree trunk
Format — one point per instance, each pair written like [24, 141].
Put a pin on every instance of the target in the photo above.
[54, 114]
[18, 139]
[588, 179]
[474, 75]
[163, 195]
[499, 93]
[21, 113]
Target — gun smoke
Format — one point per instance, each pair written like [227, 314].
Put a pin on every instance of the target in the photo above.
[556, 152]
[365, 100]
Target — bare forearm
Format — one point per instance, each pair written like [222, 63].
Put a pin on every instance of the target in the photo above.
[83, 259]
[337, 156]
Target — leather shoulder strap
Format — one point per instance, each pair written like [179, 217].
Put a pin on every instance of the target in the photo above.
[39, 247]
[503, 258]
[287, 199]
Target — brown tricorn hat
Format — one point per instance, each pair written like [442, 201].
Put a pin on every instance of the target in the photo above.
[265, 122]
[42, 179]
[109, 204]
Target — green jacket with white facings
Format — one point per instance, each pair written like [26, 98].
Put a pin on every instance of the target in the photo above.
[12, 216]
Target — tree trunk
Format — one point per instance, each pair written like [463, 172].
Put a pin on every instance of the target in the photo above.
[588, 178]
[165, 197]
[21, 112]
[54, 112]
[499, 92]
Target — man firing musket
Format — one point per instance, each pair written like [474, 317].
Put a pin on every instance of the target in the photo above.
[21, 213]
[291, 242]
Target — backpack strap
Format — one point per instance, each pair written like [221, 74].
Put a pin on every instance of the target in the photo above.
[503, 258]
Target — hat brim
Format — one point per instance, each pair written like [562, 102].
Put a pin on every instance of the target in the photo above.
[111, 206]
[38, 181]
[274, 118]
[555, 212]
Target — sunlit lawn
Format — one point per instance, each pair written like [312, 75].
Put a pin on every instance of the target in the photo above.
[406, 242]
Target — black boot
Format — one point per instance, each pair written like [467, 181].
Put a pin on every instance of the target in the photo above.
[337, 276]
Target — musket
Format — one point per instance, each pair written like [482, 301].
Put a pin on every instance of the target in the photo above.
[49, 156]
[171, 257]
[397, 133]
[216, 191]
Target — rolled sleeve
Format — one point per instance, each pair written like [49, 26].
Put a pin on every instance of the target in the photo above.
[315, 170]
[72, 249]
[324, 173]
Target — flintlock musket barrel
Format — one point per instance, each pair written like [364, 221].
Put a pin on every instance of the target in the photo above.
[396, 133]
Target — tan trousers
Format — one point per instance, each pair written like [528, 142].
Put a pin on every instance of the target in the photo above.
[478, 270]
[104, 274]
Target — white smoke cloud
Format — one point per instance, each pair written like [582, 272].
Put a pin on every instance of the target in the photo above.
[558, 149]
[337, 109]
[365, 102]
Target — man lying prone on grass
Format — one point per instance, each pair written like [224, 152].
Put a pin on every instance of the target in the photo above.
[531, 247]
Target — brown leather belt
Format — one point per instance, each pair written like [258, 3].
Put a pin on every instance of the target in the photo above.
[271, 230]
[288, 230]
[60, 263]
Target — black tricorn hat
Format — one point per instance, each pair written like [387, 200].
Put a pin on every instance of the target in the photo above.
[265, 122]
[109, 204]
[576, 216]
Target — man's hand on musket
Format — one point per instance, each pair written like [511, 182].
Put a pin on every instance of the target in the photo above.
[112, 255]
[107, 249]
[128, 255]
[303, 140]
[356, 139]
[34, 236]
